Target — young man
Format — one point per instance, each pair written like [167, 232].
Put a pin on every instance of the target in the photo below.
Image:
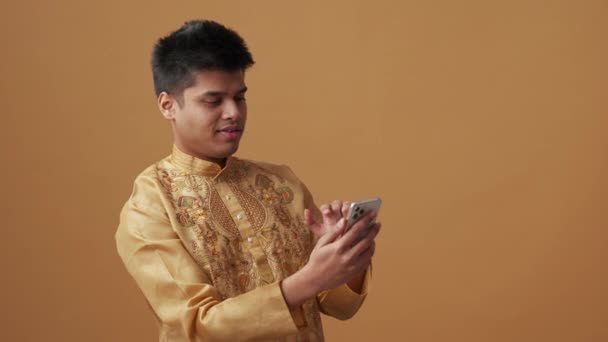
[226, 249]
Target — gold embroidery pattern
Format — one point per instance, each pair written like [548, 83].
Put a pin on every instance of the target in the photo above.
[204, 245]
[286, 252]
[238, 170]
[175, 181]
[221, 215]
[228, 266]
[286, 243]
[196, 184]
[190, 211]
[212, 236]
[274, 197]
[269, 194]
[233, 270]
[166, 180]
[256, 213]
[282, 215]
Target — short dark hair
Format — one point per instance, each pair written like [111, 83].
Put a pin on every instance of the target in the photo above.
[197, 45]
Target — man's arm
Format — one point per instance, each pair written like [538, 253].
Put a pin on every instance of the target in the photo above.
[333, 261]
[344, 301]
[357, 282]
[179, 292]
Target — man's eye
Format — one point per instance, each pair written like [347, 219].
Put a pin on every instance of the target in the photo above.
[239, 98]
[214, 102]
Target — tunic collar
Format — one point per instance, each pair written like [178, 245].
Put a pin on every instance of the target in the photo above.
[196, 165]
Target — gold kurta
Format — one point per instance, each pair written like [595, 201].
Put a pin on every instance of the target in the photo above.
[209, 246]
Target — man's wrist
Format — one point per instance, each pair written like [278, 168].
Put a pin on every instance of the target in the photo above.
[298, 288]
[356, 282]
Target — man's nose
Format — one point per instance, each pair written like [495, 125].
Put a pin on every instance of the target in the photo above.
[232, 110]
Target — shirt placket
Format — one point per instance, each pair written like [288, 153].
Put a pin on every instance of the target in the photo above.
[248, 236]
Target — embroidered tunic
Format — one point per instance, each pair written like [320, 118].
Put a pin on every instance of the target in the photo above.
[208, 248]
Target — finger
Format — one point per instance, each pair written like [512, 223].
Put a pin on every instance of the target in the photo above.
[373, 247]
[332, 235]
[360, 247]
[363, 261]
[345, 208]
[312, 224]
[336, 206]
[325, 209]
[363, 246]
[331, 215]
[360, 264]
[327, 214]
[379, 226]
[374, 230]
[353, 233]
[309, 219]
[364, 265]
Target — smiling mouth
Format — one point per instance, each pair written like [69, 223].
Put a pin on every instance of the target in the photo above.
[230, 130]
[231, 133]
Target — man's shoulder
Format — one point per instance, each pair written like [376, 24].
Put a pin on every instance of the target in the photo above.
[147, 174]
[149, 171]
[150, 176]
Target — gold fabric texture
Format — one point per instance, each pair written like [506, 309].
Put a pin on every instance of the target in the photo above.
[208, 248]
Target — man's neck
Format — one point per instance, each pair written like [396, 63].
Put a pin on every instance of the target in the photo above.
[219, 161]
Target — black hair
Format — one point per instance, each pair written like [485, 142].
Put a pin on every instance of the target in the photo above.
[197, 45]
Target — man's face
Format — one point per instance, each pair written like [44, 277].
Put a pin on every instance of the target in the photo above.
[210, 120]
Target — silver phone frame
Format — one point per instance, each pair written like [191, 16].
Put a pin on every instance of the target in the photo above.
[365, 205]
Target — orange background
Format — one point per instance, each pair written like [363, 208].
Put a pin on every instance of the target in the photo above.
[481, 124]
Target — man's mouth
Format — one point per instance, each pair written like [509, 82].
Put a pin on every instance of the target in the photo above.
[231, 133]
[230, 129]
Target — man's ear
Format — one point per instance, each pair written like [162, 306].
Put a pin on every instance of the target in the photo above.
[167, 104]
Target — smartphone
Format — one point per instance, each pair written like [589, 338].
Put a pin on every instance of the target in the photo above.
[359, 209]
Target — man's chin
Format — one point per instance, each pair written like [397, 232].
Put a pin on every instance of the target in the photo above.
[229, 150]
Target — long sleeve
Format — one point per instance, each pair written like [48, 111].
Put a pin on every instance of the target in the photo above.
[185, 302]
[341, 302]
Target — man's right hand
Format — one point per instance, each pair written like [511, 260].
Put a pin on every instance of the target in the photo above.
[333, 261]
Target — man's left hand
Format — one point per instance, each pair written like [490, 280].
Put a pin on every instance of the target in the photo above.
[331, 212]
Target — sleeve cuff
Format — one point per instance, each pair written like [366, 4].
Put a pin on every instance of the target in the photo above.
[297, 317]
[283, 316]
[342, 302]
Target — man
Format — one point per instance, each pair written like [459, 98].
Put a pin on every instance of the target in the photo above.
[222, 247]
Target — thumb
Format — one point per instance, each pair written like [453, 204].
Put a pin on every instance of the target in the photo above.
[312, 224]
[308, 217]
[332, 234]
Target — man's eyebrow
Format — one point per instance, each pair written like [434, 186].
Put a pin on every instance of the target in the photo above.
[220, 93]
